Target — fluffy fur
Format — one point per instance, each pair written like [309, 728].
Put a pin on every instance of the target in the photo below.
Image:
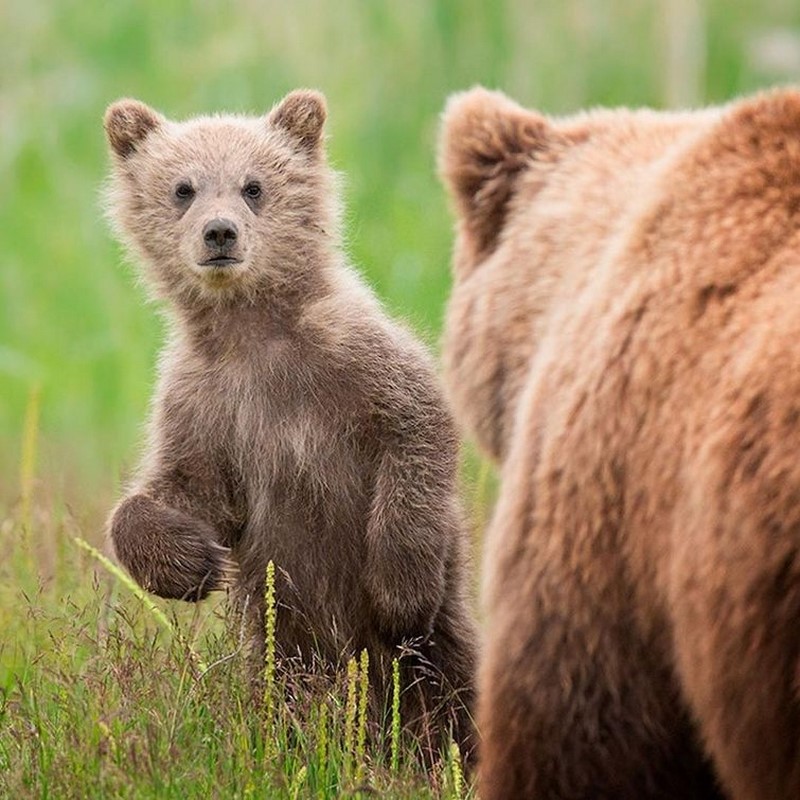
[293, 420]
[623, 339]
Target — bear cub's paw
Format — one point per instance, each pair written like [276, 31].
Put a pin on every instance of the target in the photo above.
[169, 552]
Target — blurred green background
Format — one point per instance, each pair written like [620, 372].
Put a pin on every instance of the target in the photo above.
[74, 324]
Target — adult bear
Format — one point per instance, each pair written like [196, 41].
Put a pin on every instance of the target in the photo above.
[624, 338]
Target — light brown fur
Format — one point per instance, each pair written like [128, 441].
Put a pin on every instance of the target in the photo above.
[293, 421]
[623, 339]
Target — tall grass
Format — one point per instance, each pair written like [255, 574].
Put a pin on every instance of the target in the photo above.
[105, 692]
[102, 694]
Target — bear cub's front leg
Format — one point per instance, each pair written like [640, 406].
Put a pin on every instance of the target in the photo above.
[168, 551]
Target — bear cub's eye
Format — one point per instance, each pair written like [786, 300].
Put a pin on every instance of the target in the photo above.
[252, 191]
[184, 191]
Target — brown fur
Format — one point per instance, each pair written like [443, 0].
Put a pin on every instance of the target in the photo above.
[293, 420]
[623, 339]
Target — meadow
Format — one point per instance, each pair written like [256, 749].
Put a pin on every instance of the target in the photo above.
[104, 693]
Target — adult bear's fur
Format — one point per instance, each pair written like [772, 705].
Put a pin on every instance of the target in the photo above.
[624, 338]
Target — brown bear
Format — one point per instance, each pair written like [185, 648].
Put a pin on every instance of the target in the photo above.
[623, 339]
[293, 420]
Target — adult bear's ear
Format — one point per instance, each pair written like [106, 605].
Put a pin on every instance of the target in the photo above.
[486, 141]
[302, 115]
[128, 123]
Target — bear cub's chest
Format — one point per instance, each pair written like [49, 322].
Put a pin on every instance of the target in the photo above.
[296, 423]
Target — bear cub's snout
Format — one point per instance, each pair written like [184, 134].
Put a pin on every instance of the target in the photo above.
[220, 236]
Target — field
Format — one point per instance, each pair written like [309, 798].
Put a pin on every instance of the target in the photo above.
[103, 694]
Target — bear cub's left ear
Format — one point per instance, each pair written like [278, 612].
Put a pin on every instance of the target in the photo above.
[128, 123]
[301, 114]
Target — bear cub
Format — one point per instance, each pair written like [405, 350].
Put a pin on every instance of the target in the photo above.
[293, 420]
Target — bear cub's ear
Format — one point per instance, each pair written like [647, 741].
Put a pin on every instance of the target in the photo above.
[128, 123]
[301, 114]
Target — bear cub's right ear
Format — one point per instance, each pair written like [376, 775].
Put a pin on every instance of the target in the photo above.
[128, 123]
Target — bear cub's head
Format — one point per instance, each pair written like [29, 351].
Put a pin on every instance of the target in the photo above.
[225, 206]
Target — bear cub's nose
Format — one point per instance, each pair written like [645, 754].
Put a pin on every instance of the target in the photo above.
[220, 233]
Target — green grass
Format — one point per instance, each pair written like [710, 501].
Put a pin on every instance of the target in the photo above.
[97, 698]
[105, 694]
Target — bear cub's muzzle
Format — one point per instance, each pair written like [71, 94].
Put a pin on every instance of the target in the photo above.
[220, 236]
